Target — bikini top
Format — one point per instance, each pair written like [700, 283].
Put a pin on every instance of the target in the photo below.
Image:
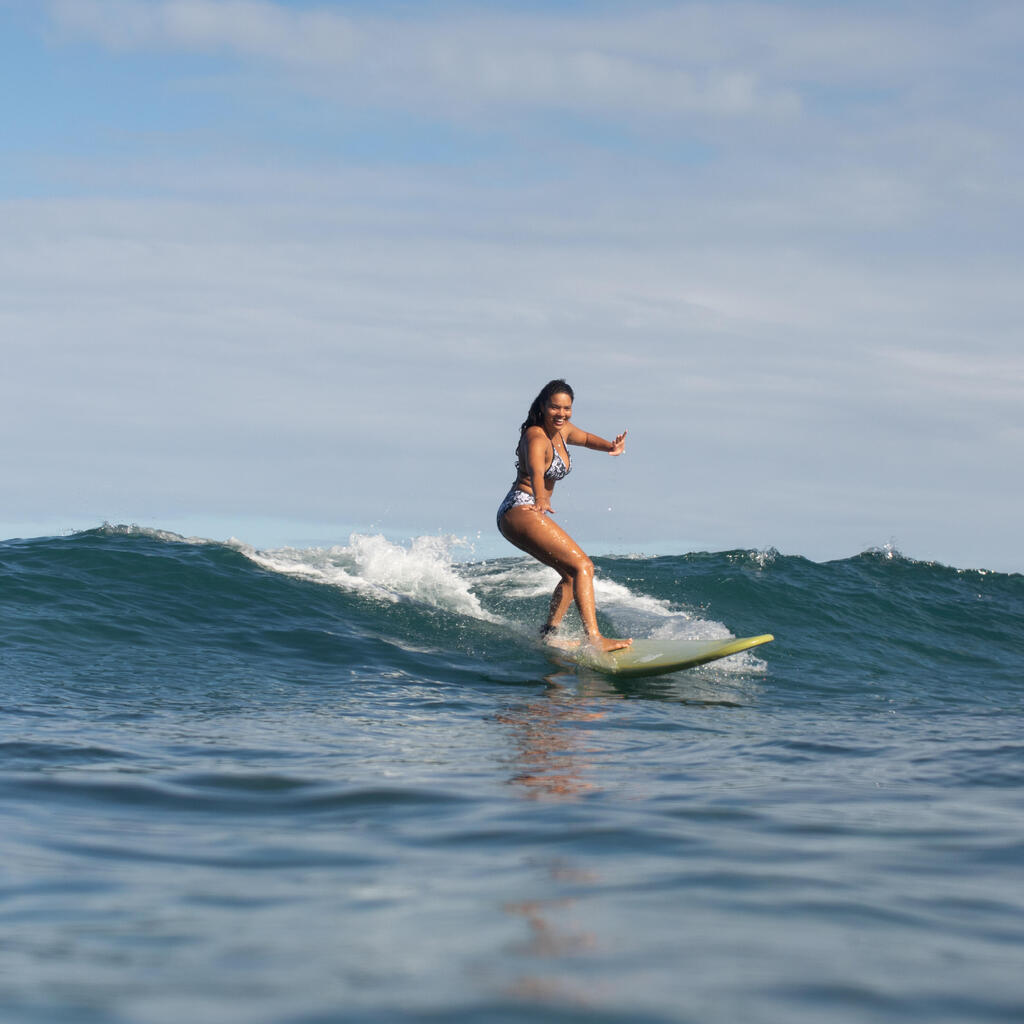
[558, 468]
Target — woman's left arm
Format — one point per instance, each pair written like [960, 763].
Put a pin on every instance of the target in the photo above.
[597, 444]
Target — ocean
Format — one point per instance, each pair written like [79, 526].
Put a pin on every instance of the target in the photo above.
[346, 784]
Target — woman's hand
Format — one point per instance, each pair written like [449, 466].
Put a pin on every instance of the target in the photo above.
[543, 506]
[619, 444]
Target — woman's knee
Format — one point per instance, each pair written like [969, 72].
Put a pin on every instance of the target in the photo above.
[581, 566]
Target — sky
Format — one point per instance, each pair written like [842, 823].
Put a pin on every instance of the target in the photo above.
[287, 270]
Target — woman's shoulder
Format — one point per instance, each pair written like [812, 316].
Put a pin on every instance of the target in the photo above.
[534, 433]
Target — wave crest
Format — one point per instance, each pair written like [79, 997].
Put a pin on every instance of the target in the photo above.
[423, 571]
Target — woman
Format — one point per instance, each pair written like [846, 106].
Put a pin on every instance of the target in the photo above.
[542, 457]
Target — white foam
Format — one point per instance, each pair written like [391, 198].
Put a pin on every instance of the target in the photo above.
[632, 614]
[639, 615]
[764, 559]
[374, 566]
[522, 580]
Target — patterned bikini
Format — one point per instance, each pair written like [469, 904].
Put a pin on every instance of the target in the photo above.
[556, 471]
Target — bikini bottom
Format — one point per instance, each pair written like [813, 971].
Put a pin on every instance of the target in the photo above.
[513, 498]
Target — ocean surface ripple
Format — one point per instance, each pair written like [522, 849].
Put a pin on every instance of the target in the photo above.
[312, 785]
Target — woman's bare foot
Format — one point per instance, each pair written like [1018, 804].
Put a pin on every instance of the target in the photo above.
[605, 644]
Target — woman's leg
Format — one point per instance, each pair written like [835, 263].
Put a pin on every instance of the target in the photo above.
[542, 537]
[560, 601]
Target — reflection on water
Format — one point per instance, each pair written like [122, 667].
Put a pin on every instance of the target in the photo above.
[552, 756]
[553, 759]
[547, 936]
[554, 941]
[559, 752]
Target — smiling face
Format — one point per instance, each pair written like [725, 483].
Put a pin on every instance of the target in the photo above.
[557, 412]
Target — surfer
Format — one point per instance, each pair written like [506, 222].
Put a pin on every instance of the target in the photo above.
[542, 457]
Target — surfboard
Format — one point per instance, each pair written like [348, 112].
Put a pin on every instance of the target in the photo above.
[655, 657]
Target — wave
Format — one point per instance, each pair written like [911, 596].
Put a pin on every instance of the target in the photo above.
[374, 567]
[415, 611]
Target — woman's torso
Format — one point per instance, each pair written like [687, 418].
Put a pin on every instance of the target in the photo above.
[559, 464]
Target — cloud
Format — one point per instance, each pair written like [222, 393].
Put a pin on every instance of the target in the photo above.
[459, 64]
[726, 60]
[246, 27]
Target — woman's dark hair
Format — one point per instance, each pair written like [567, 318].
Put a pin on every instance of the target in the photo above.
[535, 417]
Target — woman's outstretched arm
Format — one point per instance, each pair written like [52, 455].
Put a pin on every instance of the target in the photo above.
[598, 444]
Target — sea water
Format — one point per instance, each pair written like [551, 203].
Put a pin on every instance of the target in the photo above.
[346, 784]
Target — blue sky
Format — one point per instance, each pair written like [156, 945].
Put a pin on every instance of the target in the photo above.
[286, 270]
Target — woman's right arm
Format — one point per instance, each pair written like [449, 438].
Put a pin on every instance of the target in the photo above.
[537, 445]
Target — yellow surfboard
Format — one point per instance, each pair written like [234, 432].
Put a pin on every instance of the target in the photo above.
[655, 657]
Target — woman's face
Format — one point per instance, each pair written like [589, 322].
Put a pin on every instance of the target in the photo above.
[558, 411]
